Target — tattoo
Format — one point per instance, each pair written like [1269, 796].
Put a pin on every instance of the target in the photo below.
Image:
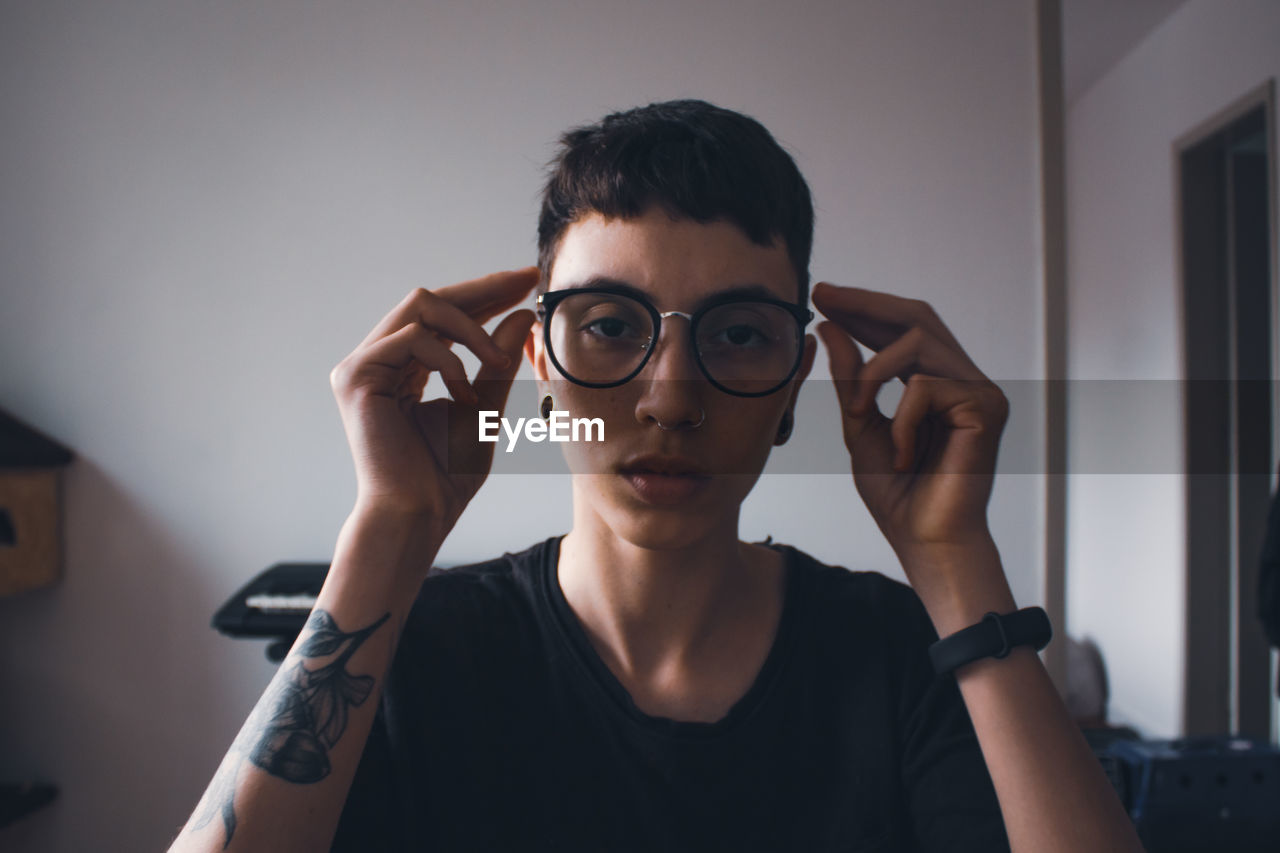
[301, 717]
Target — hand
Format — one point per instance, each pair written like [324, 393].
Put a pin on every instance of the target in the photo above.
[926, 474]
[424, 458]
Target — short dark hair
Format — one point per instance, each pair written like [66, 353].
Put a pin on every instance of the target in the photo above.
[694, 159]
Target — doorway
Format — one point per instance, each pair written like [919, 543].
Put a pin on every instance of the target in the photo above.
[1226, 217]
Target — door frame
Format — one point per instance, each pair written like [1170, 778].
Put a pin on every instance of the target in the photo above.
[1218, 617]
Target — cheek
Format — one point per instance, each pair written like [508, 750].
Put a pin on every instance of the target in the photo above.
[607, 403]
[753, 426]
[752, 443]
[736, 441]
[613, 409]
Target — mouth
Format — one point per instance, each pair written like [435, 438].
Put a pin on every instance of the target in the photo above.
[664, 480]
[663, 466]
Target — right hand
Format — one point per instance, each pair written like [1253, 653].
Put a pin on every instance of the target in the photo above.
[424, 458]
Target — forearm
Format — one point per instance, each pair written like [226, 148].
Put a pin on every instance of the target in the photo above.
[285, 779]
[1052, 790]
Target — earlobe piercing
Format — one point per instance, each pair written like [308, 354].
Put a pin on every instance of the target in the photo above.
[784, 428]
[545, 408]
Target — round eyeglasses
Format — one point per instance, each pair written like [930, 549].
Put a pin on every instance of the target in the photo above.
[601, 337]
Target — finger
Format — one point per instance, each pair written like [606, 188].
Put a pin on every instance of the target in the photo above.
[879, 311]
[438, 315]
[917, 351]
[487, 297]
[846, 366]
[915, 404]
[413, 381]
[486, 314]
[479, 294]
[871, 333]
[477, 300]
[381, 367]
[445, 319]
[493, 384]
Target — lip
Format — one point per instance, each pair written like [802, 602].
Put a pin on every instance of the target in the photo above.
[663, 465]
[666, 489]
[664, 480]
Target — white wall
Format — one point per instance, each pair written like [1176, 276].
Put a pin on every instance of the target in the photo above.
[1125, 542]
[204, 206]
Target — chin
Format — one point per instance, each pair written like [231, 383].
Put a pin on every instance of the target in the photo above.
[659, 534]
[658, 527]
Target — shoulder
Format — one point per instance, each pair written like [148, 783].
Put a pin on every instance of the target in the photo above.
[873, 633]
[468, 649]
[868, 596]
[493, 576]
[478, 598]
[860, 621]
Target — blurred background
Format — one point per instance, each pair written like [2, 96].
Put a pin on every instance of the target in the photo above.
[205, 206]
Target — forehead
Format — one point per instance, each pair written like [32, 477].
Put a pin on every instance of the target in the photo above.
[677, 262]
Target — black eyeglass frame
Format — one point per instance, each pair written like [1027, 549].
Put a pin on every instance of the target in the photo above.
[548, 300]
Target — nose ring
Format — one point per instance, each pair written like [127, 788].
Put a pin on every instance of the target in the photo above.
[661, 425]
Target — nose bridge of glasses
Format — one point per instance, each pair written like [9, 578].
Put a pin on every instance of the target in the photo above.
[665, 314]
[690, 357]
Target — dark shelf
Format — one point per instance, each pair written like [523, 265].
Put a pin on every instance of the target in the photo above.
[21, 799]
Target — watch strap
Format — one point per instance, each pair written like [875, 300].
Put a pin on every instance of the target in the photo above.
[995, 636]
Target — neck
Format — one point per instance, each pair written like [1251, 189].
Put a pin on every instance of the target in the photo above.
[670, 608]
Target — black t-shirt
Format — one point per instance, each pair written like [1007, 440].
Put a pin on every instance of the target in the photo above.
[501, 729]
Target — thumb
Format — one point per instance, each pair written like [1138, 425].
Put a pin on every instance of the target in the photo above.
[846, 364]
[869, 442]
[493, 384]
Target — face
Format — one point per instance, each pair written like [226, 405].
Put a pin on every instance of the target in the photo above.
[678, 265]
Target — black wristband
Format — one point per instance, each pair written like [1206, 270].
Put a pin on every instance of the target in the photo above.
[994, 636]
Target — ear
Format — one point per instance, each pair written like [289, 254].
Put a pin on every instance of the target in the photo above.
[789, 415]
[806, 364]
[535, 352]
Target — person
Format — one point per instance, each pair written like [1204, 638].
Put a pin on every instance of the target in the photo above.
[647, 681]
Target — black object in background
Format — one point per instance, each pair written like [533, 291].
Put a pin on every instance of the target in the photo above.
[274, 605]
[1201, 795]
[1269, 579]
[19, 800]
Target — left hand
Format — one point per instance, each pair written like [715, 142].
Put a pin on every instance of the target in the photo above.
[926, 474]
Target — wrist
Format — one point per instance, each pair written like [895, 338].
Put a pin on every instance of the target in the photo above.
[386, 542]
[996, 636]
[959, 583]
[400, 520]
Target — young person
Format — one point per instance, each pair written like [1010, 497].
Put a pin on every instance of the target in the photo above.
[648, 681]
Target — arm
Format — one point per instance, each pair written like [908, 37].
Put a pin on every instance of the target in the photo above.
[284, 780]
[926, 477]
[283, 783]
[1052, 790]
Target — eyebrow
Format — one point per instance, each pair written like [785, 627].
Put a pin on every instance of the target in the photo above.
[626, 288]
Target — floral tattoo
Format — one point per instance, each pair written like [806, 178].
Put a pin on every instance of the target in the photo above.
[304, 713]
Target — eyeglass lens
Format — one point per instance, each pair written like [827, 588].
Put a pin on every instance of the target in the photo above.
[602, 338]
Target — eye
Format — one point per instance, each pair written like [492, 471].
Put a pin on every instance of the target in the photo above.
[735, 336]
[745, 328]
[742, 335]
[607, 327]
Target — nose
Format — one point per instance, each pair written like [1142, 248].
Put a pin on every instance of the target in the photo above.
[672, 380]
